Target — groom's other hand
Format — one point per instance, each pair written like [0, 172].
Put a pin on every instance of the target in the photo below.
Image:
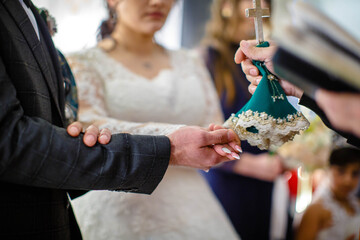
[92, 134]
[193, 146]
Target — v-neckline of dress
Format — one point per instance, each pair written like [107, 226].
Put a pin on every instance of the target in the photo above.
[132, 73]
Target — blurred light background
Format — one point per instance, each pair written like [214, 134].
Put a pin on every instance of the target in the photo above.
[78, 21]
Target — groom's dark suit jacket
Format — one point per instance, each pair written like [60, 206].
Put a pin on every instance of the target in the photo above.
[39, 162]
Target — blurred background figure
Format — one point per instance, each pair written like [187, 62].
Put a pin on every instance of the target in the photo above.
[130, 83]
[244, 187]
[335, 211]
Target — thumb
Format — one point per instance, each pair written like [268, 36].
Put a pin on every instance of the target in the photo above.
[251, 51]
[239, 56]
[220, 136]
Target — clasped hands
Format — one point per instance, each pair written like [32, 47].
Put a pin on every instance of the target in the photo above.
[190, 146]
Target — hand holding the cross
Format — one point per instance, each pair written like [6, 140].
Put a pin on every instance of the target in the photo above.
[248, 52]
[340, 108]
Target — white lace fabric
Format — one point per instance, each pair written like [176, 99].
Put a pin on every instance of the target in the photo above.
[182, 206]
[272, 132]
[344, 224]
[112, 96]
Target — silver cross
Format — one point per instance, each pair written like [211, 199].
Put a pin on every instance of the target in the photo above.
[258, 13]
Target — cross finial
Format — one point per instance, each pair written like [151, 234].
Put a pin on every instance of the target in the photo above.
[258, 13]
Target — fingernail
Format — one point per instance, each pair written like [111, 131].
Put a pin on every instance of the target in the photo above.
[90, 138]
[206, 170]
[252, 88]
[258, 80]
[73, 130]
[253, 72]
[238, 148]
[236, 156]
[226, 150]
[104, 137]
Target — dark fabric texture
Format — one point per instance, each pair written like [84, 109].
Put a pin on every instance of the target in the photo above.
[310, 103]
[71, 98]
[39, 162]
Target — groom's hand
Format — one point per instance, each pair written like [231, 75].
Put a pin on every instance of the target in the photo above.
[91, 135]
[193, 147]
[223, 149]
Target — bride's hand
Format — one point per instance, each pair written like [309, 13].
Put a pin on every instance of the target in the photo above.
[231, 149]
[91, 135]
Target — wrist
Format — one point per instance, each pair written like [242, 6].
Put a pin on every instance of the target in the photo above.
[173, 149]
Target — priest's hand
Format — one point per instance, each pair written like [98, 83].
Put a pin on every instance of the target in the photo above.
[194, 147]
[248, 52]
[92, 134]
[342, 109]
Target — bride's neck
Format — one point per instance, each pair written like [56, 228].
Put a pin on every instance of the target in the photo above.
[135, 42]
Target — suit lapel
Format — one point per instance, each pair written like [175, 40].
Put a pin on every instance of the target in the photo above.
[51, 52]
[44, 61]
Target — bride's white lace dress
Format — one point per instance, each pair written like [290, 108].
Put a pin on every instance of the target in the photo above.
[182, 206]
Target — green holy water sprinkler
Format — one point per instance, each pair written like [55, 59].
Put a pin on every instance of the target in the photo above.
[267, 120]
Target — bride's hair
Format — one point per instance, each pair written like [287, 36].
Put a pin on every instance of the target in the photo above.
[220, 28]
[107, 26]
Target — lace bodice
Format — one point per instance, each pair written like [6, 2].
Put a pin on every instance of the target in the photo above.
[344, 225]
[182, 206]
[125, 102]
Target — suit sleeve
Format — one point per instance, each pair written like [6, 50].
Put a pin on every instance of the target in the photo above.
[310, 103]
[36, 153]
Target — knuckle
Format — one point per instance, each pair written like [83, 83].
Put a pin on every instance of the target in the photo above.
[202, 137]
[218, 138]
[92, 129]
[251, 79]
[105, 131]
[250, 88]
[77, 125]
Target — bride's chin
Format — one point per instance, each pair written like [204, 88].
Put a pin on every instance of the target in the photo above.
[152, 28]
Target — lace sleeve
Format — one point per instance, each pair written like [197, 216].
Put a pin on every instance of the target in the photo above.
[213, 113]
[92, 106]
